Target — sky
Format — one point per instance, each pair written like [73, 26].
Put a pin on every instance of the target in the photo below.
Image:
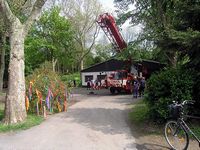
[108, 5]
[128, 32]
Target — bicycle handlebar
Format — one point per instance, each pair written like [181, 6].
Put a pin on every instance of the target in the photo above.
[185, 102]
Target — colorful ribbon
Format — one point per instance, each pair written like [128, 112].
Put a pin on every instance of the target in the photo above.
[27, 103]
[30, 90]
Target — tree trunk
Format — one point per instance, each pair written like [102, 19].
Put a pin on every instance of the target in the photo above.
[2, 63]
[172, 56]
[82, 65]
[15, 99]
[54, 61]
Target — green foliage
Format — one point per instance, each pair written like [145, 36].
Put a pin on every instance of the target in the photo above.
[105, 52]
[42, 80]
[50, 39]
[68, 79]
[171, 84]
[135, 52]
[172, 26]
[89, 60]
[195, 128]
[1, 113]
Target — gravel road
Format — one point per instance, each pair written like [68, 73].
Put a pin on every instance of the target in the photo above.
[96, 122]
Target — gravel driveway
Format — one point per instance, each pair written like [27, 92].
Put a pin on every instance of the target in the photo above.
[96, 122]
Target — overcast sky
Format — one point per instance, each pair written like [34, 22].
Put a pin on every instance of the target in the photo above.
[128, 32]
[108, 5]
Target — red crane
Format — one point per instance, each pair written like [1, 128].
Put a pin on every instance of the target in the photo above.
[108, 25]
[119, 79]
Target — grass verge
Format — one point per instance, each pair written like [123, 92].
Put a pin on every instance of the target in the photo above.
[2, 94]
[32, 120]
[139, 113]
[139, 119]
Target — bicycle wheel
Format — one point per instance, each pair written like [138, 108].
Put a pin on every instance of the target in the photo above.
[176, 136]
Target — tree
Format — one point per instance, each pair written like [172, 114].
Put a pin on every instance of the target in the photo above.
[83, 15]
[2, 59]
[51, 39]
[173, 26]
[104, 52]
[2, 49]
[15, 104]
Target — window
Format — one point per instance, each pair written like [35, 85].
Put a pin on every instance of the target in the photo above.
[88, 78]
[101, 77]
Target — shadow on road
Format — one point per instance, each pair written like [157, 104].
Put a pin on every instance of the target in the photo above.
[150, 146]
[108, 121]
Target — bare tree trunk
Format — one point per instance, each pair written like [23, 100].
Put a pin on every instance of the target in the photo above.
[82, 64]
[2, 63]
[172, 58]
[54, 61]
[15, 100]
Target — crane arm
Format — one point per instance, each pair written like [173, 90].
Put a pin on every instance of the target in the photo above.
[108, 25]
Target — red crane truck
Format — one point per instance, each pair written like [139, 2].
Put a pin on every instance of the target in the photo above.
[120, 79]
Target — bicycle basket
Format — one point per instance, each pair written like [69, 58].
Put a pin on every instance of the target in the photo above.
[174, 111]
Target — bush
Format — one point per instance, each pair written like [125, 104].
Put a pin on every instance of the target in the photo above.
[196, 92]
[68, 79]
[45, 88]
[171, 84]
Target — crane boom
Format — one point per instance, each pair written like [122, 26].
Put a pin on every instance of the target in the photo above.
[108, 25]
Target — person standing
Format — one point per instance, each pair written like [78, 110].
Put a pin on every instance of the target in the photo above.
[74, 81]
[88, 85]
[135, 88]
[142, 86]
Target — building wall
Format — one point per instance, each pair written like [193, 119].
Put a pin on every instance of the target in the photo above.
[93, 74]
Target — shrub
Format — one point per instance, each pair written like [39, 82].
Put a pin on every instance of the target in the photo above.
[68, 79]
[196, 92]
[171, 84]
[45, 88]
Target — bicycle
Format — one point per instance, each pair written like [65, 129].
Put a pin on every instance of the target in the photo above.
[177, 131]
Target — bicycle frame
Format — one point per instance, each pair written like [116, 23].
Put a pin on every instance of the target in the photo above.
[177, 111]
[182, 123]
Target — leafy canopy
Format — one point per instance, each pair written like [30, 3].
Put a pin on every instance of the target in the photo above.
[50, 38]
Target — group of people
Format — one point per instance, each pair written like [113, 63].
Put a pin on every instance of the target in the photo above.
[93, 84]
[139, 85]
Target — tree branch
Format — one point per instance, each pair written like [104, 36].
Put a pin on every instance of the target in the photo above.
[93, 41]
[34, 14]
[4, 7]
[27, 6]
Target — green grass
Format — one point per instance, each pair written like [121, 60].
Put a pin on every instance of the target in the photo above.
[139, 113]
[195, 127]
[32, 120]
[139, 117]
[2, 94]
[140, 122]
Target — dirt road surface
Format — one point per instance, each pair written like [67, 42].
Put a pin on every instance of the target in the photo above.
[96, 122]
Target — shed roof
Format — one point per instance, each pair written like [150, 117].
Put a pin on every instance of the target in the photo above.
[114, 64]
[109, 65]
